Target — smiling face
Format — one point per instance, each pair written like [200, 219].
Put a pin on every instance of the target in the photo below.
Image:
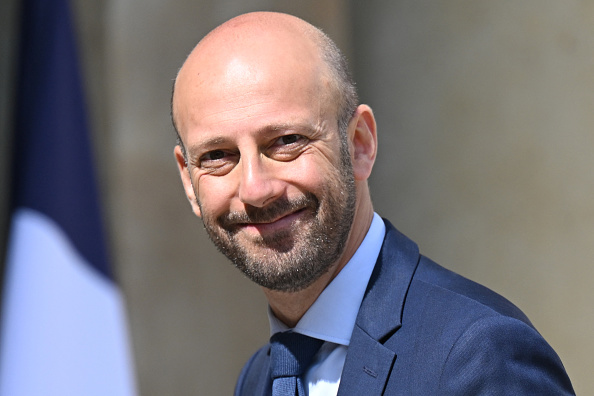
[291, 241]
[265, 167]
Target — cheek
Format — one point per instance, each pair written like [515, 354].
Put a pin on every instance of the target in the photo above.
[313, 173]
[214, 196]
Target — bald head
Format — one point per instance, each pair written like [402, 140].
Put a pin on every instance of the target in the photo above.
[274, 151]
[257, 51]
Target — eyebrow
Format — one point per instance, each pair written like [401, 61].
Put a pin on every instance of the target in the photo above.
[206, 145]
[285, 126]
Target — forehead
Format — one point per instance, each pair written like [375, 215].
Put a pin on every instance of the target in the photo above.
[273, 76]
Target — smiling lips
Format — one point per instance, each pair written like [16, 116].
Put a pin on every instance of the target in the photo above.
[279, 216]
[281, 223]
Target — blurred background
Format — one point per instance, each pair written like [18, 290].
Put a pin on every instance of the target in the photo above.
[486, 128]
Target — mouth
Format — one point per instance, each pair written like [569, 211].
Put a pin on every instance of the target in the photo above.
[280, 223]
[273, 221]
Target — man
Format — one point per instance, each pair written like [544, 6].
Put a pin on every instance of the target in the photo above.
[274, 153]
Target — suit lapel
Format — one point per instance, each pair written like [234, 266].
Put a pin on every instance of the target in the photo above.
[368, 362]
[367, 366]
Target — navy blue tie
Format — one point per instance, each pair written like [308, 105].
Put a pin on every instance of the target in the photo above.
[290, 355]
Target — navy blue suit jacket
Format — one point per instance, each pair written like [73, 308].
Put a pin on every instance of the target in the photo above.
[424, 330]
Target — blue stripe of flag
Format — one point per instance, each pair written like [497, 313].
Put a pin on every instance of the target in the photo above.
[53, 159]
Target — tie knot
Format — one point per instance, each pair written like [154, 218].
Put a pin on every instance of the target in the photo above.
[291, 353]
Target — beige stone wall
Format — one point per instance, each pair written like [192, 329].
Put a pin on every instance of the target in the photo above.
[486, 122]
[486, 114]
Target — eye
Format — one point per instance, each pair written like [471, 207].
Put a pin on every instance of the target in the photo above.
[289, 139]
[287, 147]
[213, 155]
[217, 162]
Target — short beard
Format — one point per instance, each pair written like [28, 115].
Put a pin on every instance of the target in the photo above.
[293, 259]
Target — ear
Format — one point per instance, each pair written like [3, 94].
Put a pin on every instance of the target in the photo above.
[184, 173]
[363, 140]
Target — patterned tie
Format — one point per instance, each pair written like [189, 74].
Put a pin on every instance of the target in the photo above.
[290, 356]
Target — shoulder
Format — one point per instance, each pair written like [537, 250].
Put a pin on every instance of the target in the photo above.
[254, 375]
[476, 340]
[504, 352]
[458, 292]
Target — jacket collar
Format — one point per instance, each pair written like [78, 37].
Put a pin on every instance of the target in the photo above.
[380, 314]
[368, 362]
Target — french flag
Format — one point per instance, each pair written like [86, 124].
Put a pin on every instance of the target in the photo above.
[63, 321]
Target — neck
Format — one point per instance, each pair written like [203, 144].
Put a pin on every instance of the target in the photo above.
[289, 307]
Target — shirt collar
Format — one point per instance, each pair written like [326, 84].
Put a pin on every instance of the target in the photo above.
[332, 316]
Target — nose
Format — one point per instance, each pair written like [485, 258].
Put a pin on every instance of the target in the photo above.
[258, 186]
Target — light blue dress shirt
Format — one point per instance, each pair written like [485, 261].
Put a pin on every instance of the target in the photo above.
[332, 316]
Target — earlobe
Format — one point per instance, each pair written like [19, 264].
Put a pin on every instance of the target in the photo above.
[363, 138]
[184, 173]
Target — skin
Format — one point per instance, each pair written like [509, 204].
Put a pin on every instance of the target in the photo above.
[256, 112]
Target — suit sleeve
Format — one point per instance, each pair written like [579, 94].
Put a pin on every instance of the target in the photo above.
[503, 356]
